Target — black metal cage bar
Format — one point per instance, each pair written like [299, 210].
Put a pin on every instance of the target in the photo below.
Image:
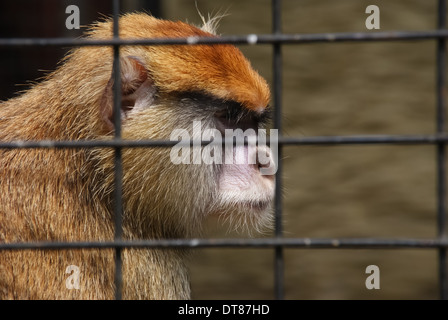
[277, 92]
[118, 164]
[441, 153]
[278, 242]
[237, 39]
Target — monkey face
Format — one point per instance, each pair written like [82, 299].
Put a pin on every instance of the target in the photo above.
[246, 173]
[200, 93]
[192, 182]
[242, 165]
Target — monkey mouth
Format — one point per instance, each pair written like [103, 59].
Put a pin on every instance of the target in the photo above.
[258, 206]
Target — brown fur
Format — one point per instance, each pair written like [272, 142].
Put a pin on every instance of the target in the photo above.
[65, 195]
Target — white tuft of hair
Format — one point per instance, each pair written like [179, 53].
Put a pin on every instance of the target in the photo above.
[210, 24]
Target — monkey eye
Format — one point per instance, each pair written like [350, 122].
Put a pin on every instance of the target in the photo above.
[229, 114]
[226, 119]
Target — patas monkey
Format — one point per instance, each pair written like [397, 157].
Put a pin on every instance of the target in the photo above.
[66, 194]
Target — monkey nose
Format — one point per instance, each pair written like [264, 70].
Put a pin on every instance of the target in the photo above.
[265, 162]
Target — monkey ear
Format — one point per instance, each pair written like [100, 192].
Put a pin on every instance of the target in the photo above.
[137, 91]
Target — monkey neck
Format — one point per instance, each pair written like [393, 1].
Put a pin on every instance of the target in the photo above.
[155, 274]
[150, 273]
[77, 215]
[150, 225]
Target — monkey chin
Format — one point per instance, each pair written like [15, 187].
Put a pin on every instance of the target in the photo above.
[247, 210]
[249, 217]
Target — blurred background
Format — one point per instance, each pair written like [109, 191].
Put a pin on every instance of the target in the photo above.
[328, 89]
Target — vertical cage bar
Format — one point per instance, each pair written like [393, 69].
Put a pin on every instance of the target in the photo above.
[118, 205]
[277, 86]
[441, 152]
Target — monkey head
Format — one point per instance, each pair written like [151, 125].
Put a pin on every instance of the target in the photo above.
[193, 88]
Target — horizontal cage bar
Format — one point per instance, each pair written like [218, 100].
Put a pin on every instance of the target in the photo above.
[317, 140]
[236, 39]
[353, 243]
